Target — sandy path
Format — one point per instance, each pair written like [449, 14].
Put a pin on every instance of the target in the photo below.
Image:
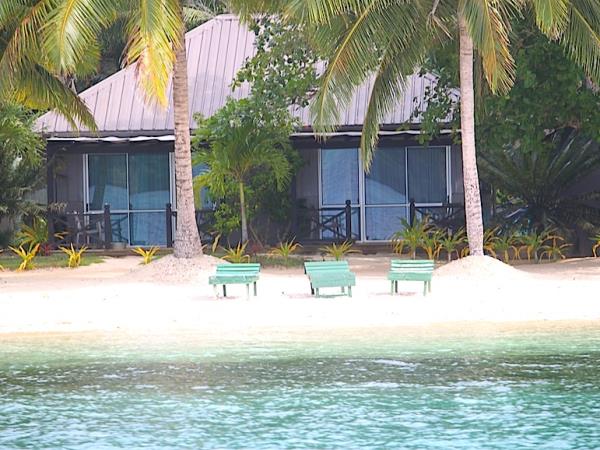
[116, 296]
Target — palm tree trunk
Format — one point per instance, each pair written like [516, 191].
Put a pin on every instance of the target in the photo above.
[473, 213]
[243, 213]
[187, 241]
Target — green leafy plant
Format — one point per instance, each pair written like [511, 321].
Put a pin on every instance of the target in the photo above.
[146, 254]
[237, 254]
[450, 243]
[503, 244]
[338, 252]
[37, 233]
[74, 255]
[596, 240]
[431, 242]
[413, 237]
[27, 256]
[534, 243]
[556, 248]
[285, 250]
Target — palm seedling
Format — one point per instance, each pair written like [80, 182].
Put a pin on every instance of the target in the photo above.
[338, 252]
[450, 243]
[285, 250]
[237, 254]
[503, 244]
[534, 243]
[431, 242]
[412, 236]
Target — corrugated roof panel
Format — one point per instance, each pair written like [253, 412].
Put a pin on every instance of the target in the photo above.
[216, 51]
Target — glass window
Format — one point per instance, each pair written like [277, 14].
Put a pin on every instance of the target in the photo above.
[119, 225]
[148, 228]
[149, 182]
[427, 174]
[386, 182]
[339, 175]
[107, 178]
[382, 223]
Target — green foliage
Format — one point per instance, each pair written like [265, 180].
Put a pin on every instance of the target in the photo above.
[413, 236]
[536, 242]
[20, 159]
[246, 143]
[237, 254]
[74, 255]
[537, 182]
[285, 250]
[596, 241]
[338, 251]
[146, 254]
[556, 249]
[451, 243]
[27, 256]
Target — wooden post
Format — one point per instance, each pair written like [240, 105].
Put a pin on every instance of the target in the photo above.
[413, 211]
[348, 210]
[169, 218]
[107, 227]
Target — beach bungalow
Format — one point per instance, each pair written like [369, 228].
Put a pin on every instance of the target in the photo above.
[117, 185]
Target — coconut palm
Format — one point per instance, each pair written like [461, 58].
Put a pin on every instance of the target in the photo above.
[390, 39]
[66, 34]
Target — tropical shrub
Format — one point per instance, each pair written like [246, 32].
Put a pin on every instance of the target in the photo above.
[285, 250]
[74, 255]
[450, 243]
[555, 250]
[27, 256]
[338, 252]
[146, 254]
[596, 240]
[237, 254]
[412, 236]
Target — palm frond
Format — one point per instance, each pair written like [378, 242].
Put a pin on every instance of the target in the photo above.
[154, 28]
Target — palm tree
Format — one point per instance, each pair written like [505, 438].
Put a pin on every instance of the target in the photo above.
[234, 145]
[391, 39]
[65, 35]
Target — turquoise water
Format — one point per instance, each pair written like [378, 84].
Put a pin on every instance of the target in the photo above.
[497, 391]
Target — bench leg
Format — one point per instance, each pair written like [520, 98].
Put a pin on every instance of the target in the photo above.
[248, 292]
[224, 291]
[424, 288]
[255, 289]
[429, 286]
[396, 285]
[317, 292]
[312, 291]
[392, 287]
[343, 290]
[350, 291]
[216, 289]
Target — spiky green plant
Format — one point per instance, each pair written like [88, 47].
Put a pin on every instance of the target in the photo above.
[237, 254]
[146, 254]
[74, 255]
[450, 243]
[596, 240]
[27, 256]
[555, 249]
[285, 250]
[411, 236]
[338, 252]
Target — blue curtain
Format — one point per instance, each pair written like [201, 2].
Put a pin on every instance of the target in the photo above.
[386, 182]
[339, 175]
[149, 184]
[107, 178]
[427, 174]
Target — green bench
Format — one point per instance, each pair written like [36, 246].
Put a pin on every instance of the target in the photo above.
[326, 274]
[411, 270]
[243, 273]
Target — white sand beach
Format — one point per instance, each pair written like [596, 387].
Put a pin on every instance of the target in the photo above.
[169, 296]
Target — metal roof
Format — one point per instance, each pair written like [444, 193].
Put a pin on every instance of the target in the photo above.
[216, 50]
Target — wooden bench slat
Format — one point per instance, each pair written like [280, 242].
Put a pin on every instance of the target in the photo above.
[411, 270]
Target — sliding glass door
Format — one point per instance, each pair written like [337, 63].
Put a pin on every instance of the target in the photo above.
[381, 198]
[137, 188]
